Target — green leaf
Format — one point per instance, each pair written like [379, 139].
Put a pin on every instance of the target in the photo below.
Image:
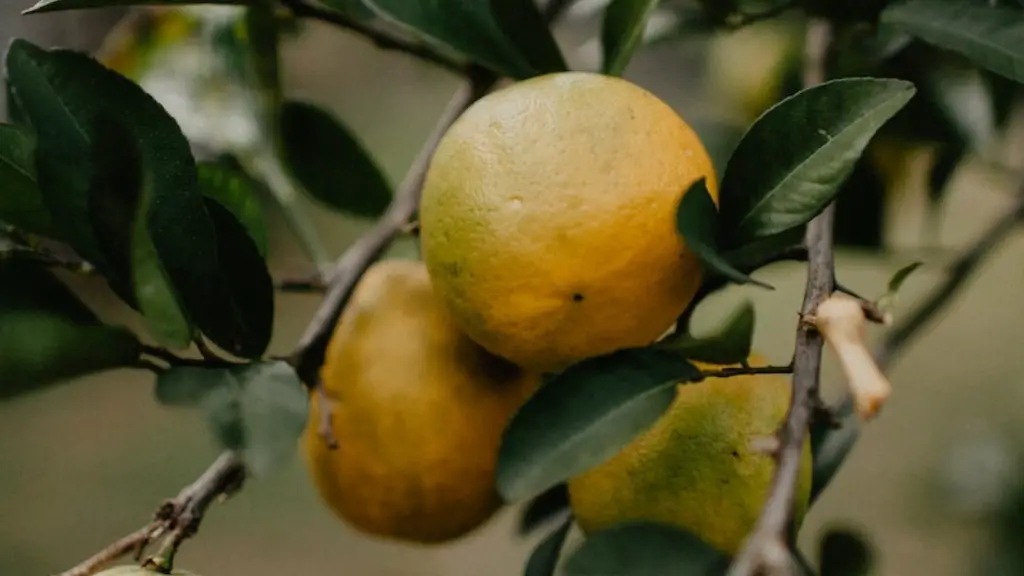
[790, 164]
[61, 5]
[259, 409]
[75, 90]
[39, 349]
[729, 345]
[831, 445]
[845, 553]
[237, 192]
[527, 30]
[622, 30]
[757, 253]
[697, 221]
[585, 415]
[542, 508]
[544, 559]
[14, 113]
[465, 27]
[895, 283]
[992, 37]
[331, 163]
[28, 285]
[645, 549]
[21, 202]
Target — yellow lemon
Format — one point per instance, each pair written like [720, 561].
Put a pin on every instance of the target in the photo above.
[548, 218]
[418, 412]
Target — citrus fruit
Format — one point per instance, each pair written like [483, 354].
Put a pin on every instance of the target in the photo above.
[696, 468]
[418, 410]
[548, 218]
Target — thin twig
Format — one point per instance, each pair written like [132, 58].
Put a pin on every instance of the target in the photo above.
[179, 517]
[747, 371]
[741, 19]
[383, 40]
[301, 285]
[766, 547]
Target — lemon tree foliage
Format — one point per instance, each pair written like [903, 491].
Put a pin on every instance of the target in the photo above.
[543, 560]
[622, 30]
[58, 5]
[21, 205]
[313, 141]
[236, 192]
[645, 549]
[730, 344]
[258, 409]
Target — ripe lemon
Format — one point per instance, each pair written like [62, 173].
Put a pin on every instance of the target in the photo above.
[696, 467]
[548, 218]
[418, 413]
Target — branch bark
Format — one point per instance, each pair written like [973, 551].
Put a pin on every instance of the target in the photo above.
[766, 550]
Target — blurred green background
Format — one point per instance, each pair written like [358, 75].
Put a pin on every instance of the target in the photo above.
[87, 462]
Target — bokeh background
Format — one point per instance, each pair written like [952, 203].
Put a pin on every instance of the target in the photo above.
[86, 462]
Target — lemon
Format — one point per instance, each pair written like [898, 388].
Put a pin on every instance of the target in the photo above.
[418, 413]
[548, 218]
[697, 468]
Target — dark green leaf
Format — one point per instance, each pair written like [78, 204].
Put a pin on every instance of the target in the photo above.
[30, 286]
[758, 253]
[21, 203]
[992, 37]
[831, 445]
[38, 349]
[585, 415]
[14, 113]
[845, 553]
[59, 5]
[622, 31]
[74, 90]
[729, 345]
[544, 559]
[696, 219]
[788, 167]
[645, 549]
[895, 283]
[236, 192]
[525, 27]
[259, 409]
[545, 506]
[331, 163]
[465, 27]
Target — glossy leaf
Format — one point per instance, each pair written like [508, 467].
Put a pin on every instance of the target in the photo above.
[14, 113]
[585, 415]
[697, 220]
[645, 549]
[60, 5]
[77, 89]
[526, 28]
[259, 409]
[730, 344]
[465, 27]
[331, 163]
[38, 349]
[544, 507]
[26, 285]
[544, 559]
[757, 253]
[845, 553]
[21, 202]
[236, 192]
[831, 445]
[788, 167]
[622, 32]
[991, 36]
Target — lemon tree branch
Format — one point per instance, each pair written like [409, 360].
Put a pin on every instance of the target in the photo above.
[765, 550]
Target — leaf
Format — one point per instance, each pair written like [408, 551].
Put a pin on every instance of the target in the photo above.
[622, 30]
[830, 446]
[789, 165]
[526, 28]
[236, 192]
[895, 283]
[465, 27]
[75, 89]
[696, 220]
[645, 549]
[38, 349]
[259, 409]
[755, 254]
[21, 202]
[991, 36]
[544, 559]
[30, 286]
[845, 553]
[545, 506]
[729, 345]
[61, 5]
[14, 113]
[585, 415]
[330, 163]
